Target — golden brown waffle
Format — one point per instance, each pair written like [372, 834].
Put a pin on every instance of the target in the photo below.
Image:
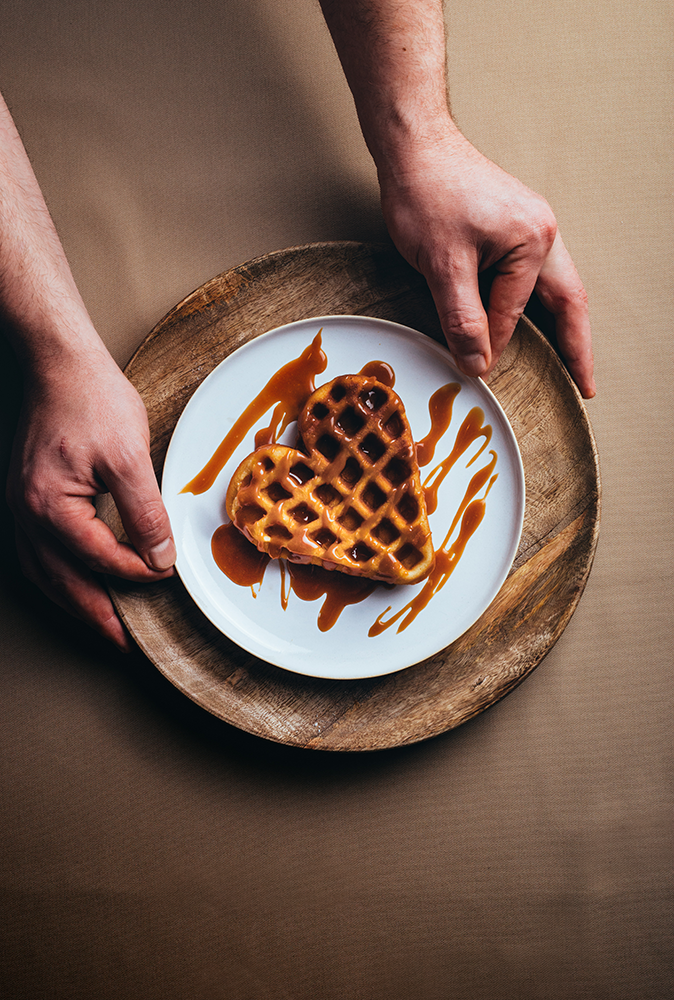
[351, 499]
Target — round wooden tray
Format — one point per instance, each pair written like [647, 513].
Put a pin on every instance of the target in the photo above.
[521, 625]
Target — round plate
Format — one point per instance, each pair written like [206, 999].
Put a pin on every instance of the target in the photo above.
[290, 638]
[527, 616]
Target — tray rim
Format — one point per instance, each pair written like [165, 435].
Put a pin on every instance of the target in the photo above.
[210, 292]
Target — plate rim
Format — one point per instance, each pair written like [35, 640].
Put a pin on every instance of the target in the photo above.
[410, 334]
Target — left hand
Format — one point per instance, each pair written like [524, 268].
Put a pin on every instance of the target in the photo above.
[83, 431]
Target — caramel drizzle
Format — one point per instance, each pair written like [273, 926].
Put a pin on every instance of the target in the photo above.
[237, 558]
[440, 407]
[471, 429]
[474, 487]
[290, 387]
[446, 557]
[311, 582]
[380, 370]
[245, 566]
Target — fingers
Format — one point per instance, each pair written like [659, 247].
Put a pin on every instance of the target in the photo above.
[454, 215]
[143, 514]
[68, 445]
[464, 322]
[63, 549]
[516, 276]
[73, 522]
[476, 339]
[65, 581]
[561, 291]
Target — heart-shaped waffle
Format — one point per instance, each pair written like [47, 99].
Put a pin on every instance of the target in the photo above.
[351, 499]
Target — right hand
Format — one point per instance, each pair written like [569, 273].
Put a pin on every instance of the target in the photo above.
[83, 431]
[452, 213]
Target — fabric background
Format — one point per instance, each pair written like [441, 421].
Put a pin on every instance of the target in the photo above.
[151, 851]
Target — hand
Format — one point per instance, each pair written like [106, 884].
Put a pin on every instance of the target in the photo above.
[84, 431]
[452, 213]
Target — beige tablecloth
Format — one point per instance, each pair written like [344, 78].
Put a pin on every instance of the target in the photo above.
[150, 851]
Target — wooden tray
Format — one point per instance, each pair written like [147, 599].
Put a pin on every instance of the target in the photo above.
[524, 621]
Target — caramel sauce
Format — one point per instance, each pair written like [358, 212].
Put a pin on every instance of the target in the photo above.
[290, 387]
[311, 582]
[440, 407]
[238, 559]
[446, 561]
[245, 566]
[474, 487]
[381, 371]
[471, 430]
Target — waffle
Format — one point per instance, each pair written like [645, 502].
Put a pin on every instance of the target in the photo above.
[351, 499]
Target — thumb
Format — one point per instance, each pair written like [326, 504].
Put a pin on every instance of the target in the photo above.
[464, 322]
[136, 493]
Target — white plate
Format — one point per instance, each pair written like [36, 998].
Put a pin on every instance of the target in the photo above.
[291, 638]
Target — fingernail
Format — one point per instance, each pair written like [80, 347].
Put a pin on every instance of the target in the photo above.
[473, 364]
[162, 556]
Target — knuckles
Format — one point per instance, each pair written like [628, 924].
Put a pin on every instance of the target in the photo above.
[463, 329]
[97, 564]
[34, 499]
[149, 523]
[565, 300]
[544, 228]
[572, 299]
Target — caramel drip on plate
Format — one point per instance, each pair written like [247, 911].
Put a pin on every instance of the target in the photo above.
[340, 590]
[381, 371]
[245, 566]
[440, 407]
[471, 429]
[290, 387]
[446, 561]
[474, 487]
[240, 561]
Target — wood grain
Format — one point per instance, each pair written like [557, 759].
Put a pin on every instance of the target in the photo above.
[529, 614]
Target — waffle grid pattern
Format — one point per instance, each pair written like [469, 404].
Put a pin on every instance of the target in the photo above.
[353, 501]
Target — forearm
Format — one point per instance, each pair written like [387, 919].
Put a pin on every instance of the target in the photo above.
[394, 58]
[46, 319]
[451, 212]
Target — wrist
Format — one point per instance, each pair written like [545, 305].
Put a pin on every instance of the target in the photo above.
[411, 156]
[405, 138]
[393, 53]
[51, 351]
